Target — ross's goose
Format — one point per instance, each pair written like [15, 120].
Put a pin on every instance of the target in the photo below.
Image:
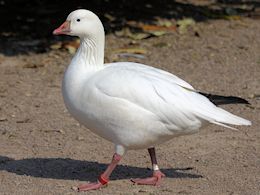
[132, 105]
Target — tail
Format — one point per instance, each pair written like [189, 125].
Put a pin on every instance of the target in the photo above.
[219, 100]
[224, 117]
[217, 115]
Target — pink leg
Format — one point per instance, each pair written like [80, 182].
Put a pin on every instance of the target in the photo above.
[154, 180]
[157, 174]
[103, 178]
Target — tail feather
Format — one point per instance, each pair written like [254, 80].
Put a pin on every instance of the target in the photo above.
[219, 100]
[214, 114]
[229, 118]
[223, 125]
[222, 117]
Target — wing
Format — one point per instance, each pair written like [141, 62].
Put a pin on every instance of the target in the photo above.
[152, 72]
[171, 99]
[155, 90]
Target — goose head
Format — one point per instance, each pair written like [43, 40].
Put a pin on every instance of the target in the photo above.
[82, 23]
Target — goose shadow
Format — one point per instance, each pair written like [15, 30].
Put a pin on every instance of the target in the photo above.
[71, 169]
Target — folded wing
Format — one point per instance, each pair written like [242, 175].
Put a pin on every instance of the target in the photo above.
[172, 99]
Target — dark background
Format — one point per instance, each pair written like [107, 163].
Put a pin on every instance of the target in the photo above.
[26, 20]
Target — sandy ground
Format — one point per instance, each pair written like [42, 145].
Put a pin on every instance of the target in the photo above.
[43, 150]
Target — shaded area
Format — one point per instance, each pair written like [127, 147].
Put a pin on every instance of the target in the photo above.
[70, 169]
[26, 26]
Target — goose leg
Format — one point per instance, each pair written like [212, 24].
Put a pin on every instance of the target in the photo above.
[103, 178]
[157, 176]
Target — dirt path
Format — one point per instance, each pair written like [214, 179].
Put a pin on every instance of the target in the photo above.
[44, 151]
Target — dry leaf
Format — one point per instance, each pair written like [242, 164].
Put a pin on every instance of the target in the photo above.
[164, 22]
[163, 27]
[71, 49]
[158, 28]
[184, 24]
[134, 52]
[139, 36]
[131, 55]
[158, 33]
[109, 17]
[131, 50]
[126, 32]
[57, 45]
[230, 11]
[70, 46]
[233, 17]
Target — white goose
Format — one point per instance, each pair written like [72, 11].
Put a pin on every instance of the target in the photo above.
[132, 105]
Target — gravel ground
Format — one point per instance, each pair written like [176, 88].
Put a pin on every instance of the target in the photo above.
[43, 150]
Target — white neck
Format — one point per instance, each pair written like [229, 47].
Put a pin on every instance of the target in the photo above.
[86, 62]
[90, 54]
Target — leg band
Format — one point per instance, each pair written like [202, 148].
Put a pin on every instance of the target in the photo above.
[103, 180]
[155, 167]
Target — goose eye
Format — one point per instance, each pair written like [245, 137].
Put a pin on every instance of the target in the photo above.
[78, 20]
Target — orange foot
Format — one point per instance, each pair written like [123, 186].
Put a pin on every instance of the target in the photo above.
[88, 186]
[154, 180]
[102, 181]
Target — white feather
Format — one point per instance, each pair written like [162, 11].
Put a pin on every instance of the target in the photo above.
[130, 104]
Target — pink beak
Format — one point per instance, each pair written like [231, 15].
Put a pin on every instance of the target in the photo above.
[63, 29]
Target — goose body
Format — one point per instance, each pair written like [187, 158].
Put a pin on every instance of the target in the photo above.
[126, 103]
[137, 106]
[132, 105]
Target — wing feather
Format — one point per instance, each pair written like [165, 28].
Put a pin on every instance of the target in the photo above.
[174, 101]
[158, 91]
